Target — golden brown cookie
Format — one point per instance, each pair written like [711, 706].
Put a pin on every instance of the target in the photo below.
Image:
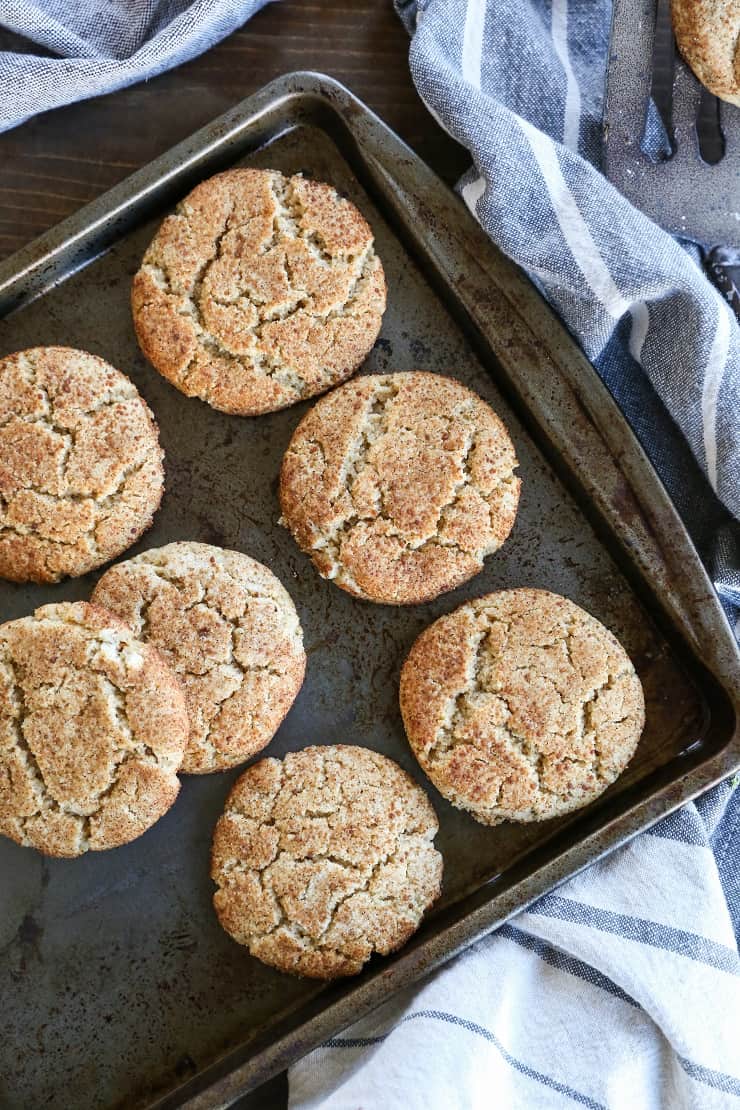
[80, 464]
[261, 290]
[229, 630]
[399, 485]
[708, 35]
[520, 706]
[323, 858]
[93, 726]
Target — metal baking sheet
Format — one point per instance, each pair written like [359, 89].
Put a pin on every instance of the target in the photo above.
[119, 988]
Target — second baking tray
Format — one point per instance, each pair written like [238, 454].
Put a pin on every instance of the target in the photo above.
[118, 985]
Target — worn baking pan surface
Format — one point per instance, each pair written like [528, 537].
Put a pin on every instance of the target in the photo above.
[118, 985]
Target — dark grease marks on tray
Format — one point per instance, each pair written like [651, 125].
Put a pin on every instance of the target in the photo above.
[129, 985]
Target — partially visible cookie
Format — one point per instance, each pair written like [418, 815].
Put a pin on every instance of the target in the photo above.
[708, 35]
[323, 858]
[228, 628]
[261, 290]
[93, 727]
[80, 464]
[399, 485]
[520, 706]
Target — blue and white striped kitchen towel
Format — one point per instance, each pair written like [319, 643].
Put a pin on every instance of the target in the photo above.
[520, 83]
[622, 989]
[618, 991]
[90, 47]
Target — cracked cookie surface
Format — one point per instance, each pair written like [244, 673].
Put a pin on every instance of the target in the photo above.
[229, 630]
[93, 727]
[80, 464]
[399, 485]
[520, 706]
[323, 858]
[261, 290]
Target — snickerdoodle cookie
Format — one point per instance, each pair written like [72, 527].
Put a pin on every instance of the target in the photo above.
[323, 858]
[399, 485]
[93, 726]
[80, 464]
[708, 35]
[520, 706]
[261, 290]
[228, 628]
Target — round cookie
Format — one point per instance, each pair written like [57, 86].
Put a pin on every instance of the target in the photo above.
[520, 706]
[230, 631]
[80, 464]
[399, 485]
[323, 858]
[93, 726]
[261, 290]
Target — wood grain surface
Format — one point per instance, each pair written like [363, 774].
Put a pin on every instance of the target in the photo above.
[55, 163]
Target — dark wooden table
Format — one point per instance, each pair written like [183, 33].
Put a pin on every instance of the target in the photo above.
[55, 163]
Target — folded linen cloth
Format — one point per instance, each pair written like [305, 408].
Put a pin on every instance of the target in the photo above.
[619, 991]
[520, 83]
[622, 988]
[96, 46]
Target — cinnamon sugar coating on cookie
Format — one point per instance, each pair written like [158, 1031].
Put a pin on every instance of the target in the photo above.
[399, 485]
[708, 35]
[93, 727]
[323, 858]
[230, 631]
[520, 706]
[261, 290]
[80, 464]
